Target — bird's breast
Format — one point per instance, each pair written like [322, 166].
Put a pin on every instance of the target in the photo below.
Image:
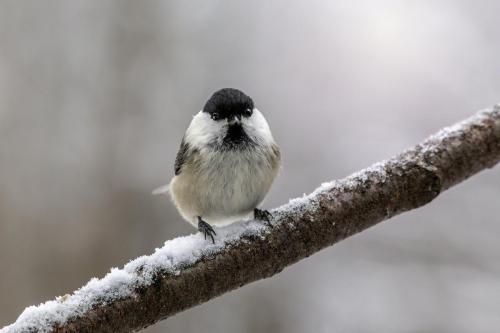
[236, 181]
[223, 185]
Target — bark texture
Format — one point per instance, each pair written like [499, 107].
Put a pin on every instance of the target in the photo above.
[330, 214]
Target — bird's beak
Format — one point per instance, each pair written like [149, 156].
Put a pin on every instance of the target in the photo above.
[236, 119]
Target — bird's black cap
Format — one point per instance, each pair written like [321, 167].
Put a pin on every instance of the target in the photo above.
[227, 103]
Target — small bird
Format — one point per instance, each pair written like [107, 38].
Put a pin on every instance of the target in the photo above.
[226, 164]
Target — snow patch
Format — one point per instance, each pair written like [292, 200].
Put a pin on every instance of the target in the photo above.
[175, 255]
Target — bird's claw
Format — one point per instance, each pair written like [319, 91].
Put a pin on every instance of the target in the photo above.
[263, 215]
[206, 229]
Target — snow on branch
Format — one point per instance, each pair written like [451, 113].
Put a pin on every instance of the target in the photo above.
[189, 270]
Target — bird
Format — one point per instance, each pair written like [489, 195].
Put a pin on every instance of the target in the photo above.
[226, 164]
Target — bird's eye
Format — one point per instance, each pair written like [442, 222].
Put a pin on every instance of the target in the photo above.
[247, 112]
[215, 116]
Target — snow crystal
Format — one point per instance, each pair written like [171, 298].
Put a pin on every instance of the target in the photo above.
[185, 251]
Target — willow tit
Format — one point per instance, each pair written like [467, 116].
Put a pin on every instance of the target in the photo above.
[226, 164]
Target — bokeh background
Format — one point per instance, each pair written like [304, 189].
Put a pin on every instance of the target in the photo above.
[95, 97]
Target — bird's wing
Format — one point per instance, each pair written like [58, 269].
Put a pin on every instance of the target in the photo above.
[181, 157]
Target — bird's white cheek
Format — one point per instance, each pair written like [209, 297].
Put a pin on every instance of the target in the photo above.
[203, 130]
[257, 127]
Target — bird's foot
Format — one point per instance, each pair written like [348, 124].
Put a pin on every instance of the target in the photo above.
[206, 229]
[263, 215]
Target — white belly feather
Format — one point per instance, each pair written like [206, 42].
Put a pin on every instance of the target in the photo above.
[224, 187]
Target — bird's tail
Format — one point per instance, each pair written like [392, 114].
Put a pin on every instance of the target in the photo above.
[162, 190]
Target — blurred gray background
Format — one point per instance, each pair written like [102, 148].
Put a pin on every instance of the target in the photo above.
[95, 97]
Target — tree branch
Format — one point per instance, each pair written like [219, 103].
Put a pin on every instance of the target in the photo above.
[189, 270]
